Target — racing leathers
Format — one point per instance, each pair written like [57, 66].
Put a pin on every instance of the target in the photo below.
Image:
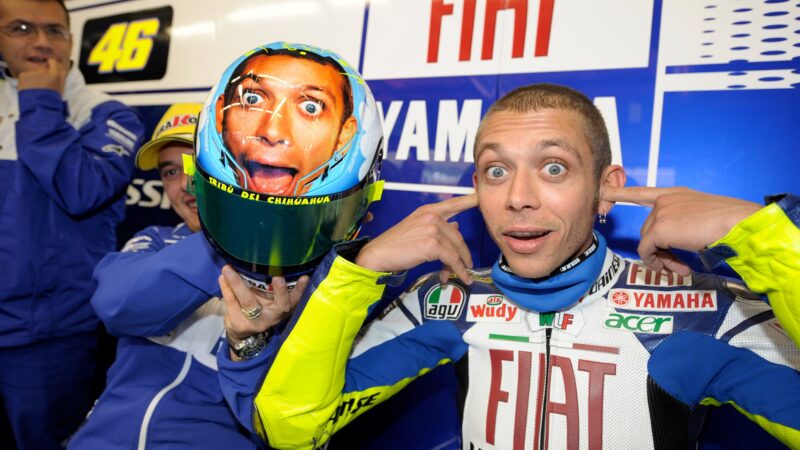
[65, 162]
[159, 295]
[629, 362]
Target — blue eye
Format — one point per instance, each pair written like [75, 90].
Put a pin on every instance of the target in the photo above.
[251, 98]
[495, 172]
[311, 107]
[555, 169]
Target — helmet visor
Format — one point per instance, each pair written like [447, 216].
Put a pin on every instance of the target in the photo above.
[275, 235]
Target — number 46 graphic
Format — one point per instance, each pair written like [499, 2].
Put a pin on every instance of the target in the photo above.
[125, 46]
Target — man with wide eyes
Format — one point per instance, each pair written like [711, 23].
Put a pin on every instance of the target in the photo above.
[282, 128]
[562, 342]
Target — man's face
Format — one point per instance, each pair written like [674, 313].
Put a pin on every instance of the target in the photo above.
[536, 188]
[170, 167]
[284, 121]
[30, 53]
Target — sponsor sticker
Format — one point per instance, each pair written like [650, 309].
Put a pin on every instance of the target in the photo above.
[645, 300]
[444, 302]
[609, 275]
[639, 323]
[640, 275]
[493, 308]
[570, 322]
[353, 405]
[619, 298]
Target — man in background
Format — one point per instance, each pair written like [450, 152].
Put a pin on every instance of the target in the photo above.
[66, 157]
[159, 296]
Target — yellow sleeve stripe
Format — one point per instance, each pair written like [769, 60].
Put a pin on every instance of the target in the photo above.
[304, 386]
[767, 246]
[787, 435]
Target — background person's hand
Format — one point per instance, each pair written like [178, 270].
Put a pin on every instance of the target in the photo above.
[239, 297]
[52, 77]
[681, 218]
[425, 235]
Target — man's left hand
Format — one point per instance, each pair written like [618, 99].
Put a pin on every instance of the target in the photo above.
[681, 218]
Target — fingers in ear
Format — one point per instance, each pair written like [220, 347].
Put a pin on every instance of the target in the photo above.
[614, 176]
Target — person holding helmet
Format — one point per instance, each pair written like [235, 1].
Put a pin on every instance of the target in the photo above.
[159, 296]
[287, 163]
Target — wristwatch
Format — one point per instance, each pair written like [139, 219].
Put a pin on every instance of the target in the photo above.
[249, 347]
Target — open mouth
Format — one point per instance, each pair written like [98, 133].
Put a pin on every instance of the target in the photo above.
[38, 60]
[526, 235]
[525, 241]
[270, 179]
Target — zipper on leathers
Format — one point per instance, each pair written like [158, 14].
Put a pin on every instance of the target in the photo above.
[545, 392]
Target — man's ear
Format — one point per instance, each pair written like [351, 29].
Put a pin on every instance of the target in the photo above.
[349, 128]
[219, 112]
[475, 180]
[613, 176]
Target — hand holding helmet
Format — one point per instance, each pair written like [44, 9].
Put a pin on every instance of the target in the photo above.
[287, 163]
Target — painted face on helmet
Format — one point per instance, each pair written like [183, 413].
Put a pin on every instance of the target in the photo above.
[282, 118]
[288, 155]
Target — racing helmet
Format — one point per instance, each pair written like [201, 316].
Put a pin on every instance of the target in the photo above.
[287, 159]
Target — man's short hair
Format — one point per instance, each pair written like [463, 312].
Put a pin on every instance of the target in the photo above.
[60, 3]
[536, 97]
[347, 91]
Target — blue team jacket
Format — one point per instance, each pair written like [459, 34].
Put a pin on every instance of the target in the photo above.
[159, 295]
[64, 168]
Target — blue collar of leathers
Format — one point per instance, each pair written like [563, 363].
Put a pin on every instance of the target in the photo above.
[560, 290]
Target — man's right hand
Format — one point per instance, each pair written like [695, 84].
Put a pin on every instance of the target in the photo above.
[425, 235]
[52, 77]
[239, 297]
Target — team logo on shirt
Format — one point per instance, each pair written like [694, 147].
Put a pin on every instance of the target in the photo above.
[640, 275]
[569, 322]
[608, 276]
[639, 323]
[619, 298]
[444, 302]
[643, 300]
[492, 308]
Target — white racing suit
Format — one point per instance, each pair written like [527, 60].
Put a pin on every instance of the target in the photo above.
[629, 365]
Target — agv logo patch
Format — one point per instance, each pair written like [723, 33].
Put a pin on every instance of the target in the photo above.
[444, 302]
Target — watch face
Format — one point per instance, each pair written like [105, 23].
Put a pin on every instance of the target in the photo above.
[251, 347]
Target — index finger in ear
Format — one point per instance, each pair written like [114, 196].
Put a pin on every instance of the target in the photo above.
[452, 206]
[644, 196]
